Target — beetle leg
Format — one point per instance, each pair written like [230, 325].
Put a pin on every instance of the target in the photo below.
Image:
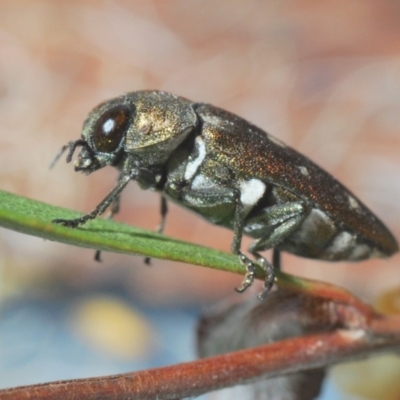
[213, 203]
[122, 182]
[161, 226]
[238, 225]
[220, 204]
[163, 212]
[277, 226]
[250, 273]
[269, 275]
[276, 258]
[114, 209]
[224, 205]
[274, 225]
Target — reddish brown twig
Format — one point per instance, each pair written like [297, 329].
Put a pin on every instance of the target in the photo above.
[374, 333]
[201, 376]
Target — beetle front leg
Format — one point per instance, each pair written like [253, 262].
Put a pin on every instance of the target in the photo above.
[114, 209]
[74, 223]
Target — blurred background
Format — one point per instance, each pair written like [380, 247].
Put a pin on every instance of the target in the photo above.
[324, 77]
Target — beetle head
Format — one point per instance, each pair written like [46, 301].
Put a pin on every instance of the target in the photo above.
[146, 126]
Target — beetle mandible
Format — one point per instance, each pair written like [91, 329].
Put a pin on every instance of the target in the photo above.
[230, 172]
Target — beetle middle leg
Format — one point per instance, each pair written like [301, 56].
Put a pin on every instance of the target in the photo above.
[238, 226]
[271, 225]
[224, 207]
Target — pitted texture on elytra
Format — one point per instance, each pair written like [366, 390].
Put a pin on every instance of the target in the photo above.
[249, 151]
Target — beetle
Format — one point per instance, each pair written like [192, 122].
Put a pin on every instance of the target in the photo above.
[231, 173]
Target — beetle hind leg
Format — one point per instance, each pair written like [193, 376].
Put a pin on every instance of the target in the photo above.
[269, 276]
[273, 225]
[276, 259]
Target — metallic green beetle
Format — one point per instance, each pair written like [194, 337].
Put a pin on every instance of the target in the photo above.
[231, 173]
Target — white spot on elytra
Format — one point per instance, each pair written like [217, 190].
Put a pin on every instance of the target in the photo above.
[360, 252]
[304, 170]
[109, 125]
[312, 223]
[353, 202]
[193, 165]
[276, 141]
[375, 253]
[341, 242]
[251, 191]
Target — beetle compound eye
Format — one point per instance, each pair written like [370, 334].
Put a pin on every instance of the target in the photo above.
[110, 128]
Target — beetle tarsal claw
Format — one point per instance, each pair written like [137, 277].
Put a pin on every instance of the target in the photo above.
[269, 276]
[250, 273]
[71, 223]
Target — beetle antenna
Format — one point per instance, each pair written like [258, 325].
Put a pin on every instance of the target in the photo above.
[71, 146]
